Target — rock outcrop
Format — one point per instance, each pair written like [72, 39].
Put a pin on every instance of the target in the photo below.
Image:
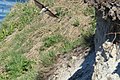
[107, 46]
[109, 8]
[106, 62]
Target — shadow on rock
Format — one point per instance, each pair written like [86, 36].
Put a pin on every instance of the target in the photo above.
[87, 68]
[117, 71]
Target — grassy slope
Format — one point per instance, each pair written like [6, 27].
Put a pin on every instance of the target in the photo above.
[31, 42]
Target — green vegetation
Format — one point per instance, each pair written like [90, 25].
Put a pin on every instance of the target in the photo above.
[47, 58]
[76, 23]
[47, 2]
[61, 12]
[12, 58]
[18, 19]
[87, 37]
[29, 41]
[50, 41]
[15, 65]
[89, 11]
[68, 46]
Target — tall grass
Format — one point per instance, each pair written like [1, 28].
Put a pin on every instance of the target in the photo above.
[17, 19]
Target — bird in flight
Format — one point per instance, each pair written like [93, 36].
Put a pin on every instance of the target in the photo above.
[44, 9]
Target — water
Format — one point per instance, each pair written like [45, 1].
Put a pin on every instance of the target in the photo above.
[5, 6]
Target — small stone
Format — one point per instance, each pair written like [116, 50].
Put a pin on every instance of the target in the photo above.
[74, 57]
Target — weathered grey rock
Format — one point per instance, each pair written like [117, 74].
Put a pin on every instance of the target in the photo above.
[106, 65]
[109, 8]
[107, 51]
[106, 70]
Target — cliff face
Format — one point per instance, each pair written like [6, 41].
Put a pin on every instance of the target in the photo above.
[107, 51]
[107, 44]
[104, 64]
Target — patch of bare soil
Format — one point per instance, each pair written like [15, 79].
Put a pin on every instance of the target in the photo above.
[67, 64]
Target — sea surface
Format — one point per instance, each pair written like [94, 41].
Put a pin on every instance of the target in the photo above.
[6, 5]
